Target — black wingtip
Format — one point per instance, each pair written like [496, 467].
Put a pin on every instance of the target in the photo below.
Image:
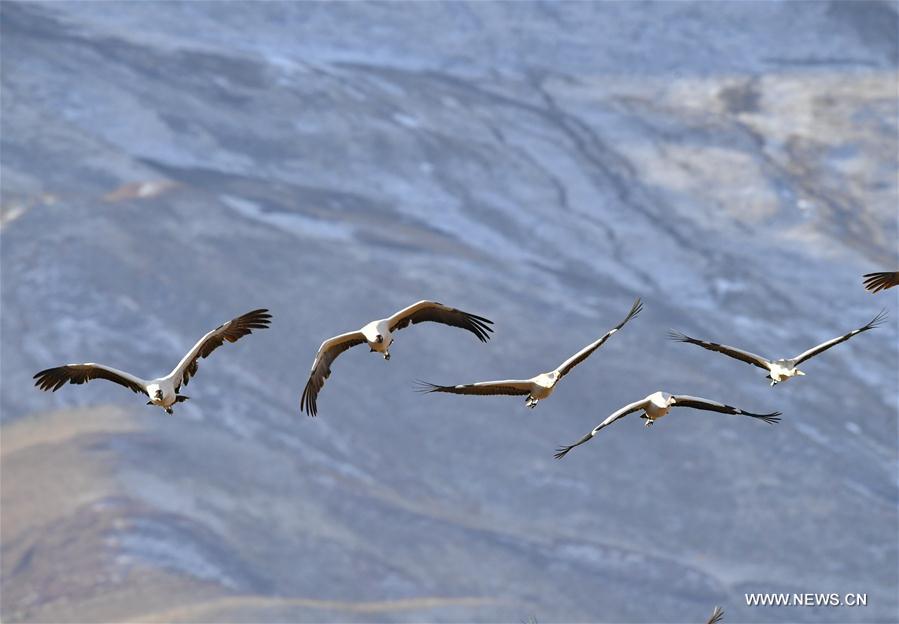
[636, 309]
[257, 319]
[46, 382]
[875, 282]
[480, 319]
[772, 419]
[562, 451]
[425, 387]
[717, 616]
[878, 320]
[307, 404]
[673, 334]
[479, 326]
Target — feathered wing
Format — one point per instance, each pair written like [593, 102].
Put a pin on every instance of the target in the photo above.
[231, 331]
[506, 387]
[713, 406]
[739, 354]
[824, 346]
[53, 379]
[439, 313]
[717, 616]
[875, 282]
[321, 367]
[624, 411]
[584, 353]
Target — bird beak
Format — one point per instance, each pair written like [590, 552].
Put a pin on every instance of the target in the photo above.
[800, 373]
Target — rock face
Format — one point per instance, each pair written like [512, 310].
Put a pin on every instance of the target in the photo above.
[166, 167]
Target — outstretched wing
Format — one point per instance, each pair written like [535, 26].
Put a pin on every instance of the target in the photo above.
[439, 313]
[231, 331]
[739, 354]
[584, 353]
[53, 379]
[824, 346]
[321, 367]
[506, 387]
[717, 616]
[875, 282]
[624, 411]
[714, 406]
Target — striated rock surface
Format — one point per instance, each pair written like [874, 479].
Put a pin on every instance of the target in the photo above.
[165, 167]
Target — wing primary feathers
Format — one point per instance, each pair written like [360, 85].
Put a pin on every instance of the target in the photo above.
[508, 387]
[562, 451]
[52, 379]
[230, 331]
[308, 400]
[733, 352]
[635, 310]
[321, 367]
[426, 387]
[772, 419]
[713, 406]
[717, 616]
[636, 406]
[436, 312]
[569, 364]
[877, 321]
[824, 346]
[875, 282]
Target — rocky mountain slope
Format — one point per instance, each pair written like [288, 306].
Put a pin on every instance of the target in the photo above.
[166, 167]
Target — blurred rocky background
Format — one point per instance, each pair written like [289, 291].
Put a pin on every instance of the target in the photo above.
[167, 166]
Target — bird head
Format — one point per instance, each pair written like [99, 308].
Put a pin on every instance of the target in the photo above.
[379, 338]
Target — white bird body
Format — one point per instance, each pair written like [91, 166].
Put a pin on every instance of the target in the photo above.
[163, 391]
[378, 335]
[540, 386]
[658, 404]
[543, 384]
[781, 370]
